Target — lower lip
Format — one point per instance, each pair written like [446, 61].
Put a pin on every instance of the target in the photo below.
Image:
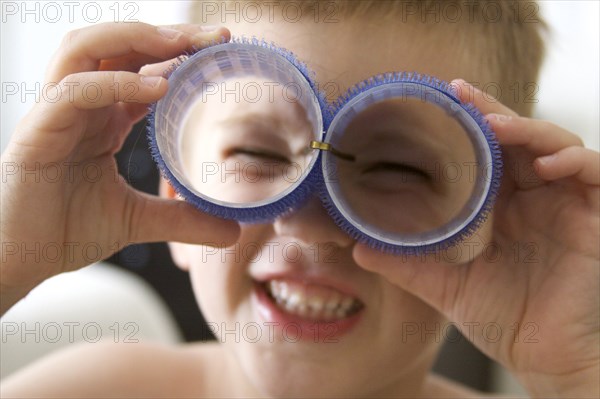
[293, 328]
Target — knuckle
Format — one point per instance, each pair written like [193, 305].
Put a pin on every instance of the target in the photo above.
[574, 151]
[70, 38]
[546, 125]
[145, 69]
[69, 87]
[141, 26]
[69, 80]
[120, 77]
[577, 140]
[135, 35]
[138, 31]
[116, 81]
[135, 209]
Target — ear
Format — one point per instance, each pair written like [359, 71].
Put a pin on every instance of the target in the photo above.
[178, 250]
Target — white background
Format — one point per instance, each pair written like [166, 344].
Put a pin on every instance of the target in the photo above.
[568, 92]
[26, 47]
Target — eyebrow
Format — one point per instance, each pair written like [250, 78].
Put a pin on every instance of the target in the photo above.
[411, 151]
[271, 127]
[262, 120]
[390, 140]
[386, 122]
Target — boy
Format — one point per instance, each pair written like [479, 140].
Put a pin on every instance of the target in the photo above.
[557, 211]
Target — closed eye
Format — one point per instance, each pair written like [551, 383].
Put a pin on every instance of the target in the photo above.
[258, 153]
[397, 168]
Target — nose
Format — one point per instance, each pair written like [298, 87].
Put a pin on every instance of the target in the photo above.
[311, 225]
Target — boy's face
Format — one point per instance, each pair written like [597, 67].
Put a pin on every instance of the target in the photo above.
[378, 336]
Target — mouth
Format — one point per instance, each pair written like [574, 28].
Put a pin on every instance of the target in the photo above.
[320, 312]
[311, 302]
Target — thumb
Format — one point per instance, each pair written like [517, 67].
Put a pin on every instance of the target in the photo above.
[427, 277]
[159, 219]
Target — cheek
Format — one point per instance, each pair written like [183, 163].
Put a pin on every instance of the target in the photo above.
[398, 306]
[218, 286]
[408, 325]
[220, 278]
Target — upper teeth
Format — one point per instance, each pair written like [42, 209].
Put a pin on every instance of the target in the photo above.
[318, 303]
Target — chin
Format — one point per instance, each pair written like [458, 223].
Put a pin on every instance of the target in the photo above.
[288, 376]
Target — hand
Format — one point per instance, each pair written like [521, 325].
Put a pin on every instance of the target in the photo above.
[539, 289]
[63, 203]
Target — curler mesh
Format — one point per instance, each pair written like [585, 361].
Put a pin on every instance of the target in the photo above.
[190, 78]
[435, 91]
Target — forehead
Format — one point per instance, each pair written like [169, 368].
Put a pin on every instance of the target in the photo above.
[346, 52]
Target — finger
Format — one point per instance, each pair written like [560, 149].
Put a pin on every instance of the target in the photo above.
[134, 61]
[92, 90]
[135, 112]
[83, 49]
[435, 282]
[581, 163]
[158, 69]
[120, 124]
[486, 103]
[56, 126]
[130, 62]
[537, 136]
[158, 219]
[519, 171]
[112, 127]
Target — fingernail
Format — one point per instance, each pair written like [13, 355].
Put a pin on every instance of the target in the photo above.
[169, 33]
[547, 159]
[498, 117]
[151, 81]
[470, 86]
[208, 28]
[465, 83]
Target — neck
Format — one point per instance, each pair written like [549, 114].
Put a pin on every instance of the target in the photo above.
[229, 380]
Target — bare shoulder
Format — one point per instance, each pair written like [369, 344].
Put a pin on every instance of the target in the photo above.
[114, 370]
[149, 370]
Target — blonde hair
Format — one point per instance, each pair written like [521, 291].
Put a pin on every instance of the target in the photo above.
[505, 38]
